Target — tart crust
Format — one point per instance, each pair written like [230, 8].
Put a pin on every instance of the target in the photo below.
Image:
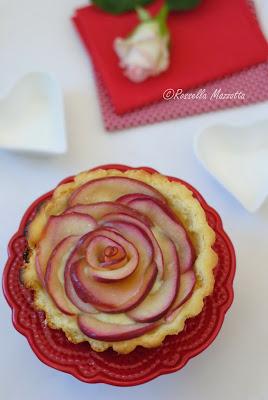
[193, 218]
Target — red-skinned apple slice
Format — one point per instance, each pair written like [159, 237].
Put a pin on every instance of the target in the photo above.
[71, 294]
[187, 283]
[114, 257]
[119, 273]
[135, 235]
[127, 198]
[100, 330]
[58, 228]
[105, 253]
[116, 296]
[109, 189]
[107, 233]
[130, 259]
[162, 217]
[156, 304]
[158, 257]
[54, 277]
[98, 210]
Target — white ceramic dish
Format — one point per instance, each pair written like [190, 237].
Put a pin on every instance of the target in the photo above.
[32, 116]
[237, 157]
[262, 13]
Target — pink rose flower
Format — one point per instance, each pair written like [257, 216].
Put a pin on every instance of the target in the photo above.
[145, 52]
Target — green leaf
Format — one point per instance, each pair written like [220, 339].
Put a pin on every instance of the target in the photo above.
[161, 18]
[182, 5]
[119, 6]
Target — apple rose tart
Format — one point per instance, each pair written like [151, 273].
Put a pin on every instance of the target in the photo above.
[120, 259]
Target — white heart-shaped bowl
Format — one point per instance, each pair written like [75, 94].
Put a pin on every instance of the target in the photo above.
[237, 156]
[32, 116]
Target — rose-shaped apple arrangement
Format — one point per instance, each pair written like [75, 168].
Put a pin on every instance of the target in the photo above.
[130, 256]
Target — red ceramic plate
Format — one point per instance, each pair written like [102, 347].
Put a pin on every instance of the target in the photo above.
[142, 365]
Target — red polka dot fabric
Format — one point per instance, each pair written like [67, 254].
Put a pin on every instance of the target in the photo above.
[253, 82]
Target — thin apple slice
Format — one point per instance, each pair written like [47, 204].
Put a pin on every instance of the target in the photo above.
[54, 277]
[100, 330]
[114, 256]
[109, 234]
[114, 297]
[58, 228]
[72, 296]
[122, 267]
[109, 189]
[127, 198]
[162, 217]
[156, 304]
[98, 210]
[104, 253]
[135, 235]
[158, 257]
[119, 273]
[187, 283]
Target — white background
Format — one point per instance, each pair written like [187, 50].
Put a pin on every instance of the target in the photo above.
[38, 36]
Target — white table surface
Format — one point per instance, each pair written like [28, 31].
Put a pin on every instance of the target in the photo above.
[38, 36]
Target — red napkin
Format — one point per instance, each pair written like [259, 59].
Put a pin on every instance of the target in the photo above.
[217, 38]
